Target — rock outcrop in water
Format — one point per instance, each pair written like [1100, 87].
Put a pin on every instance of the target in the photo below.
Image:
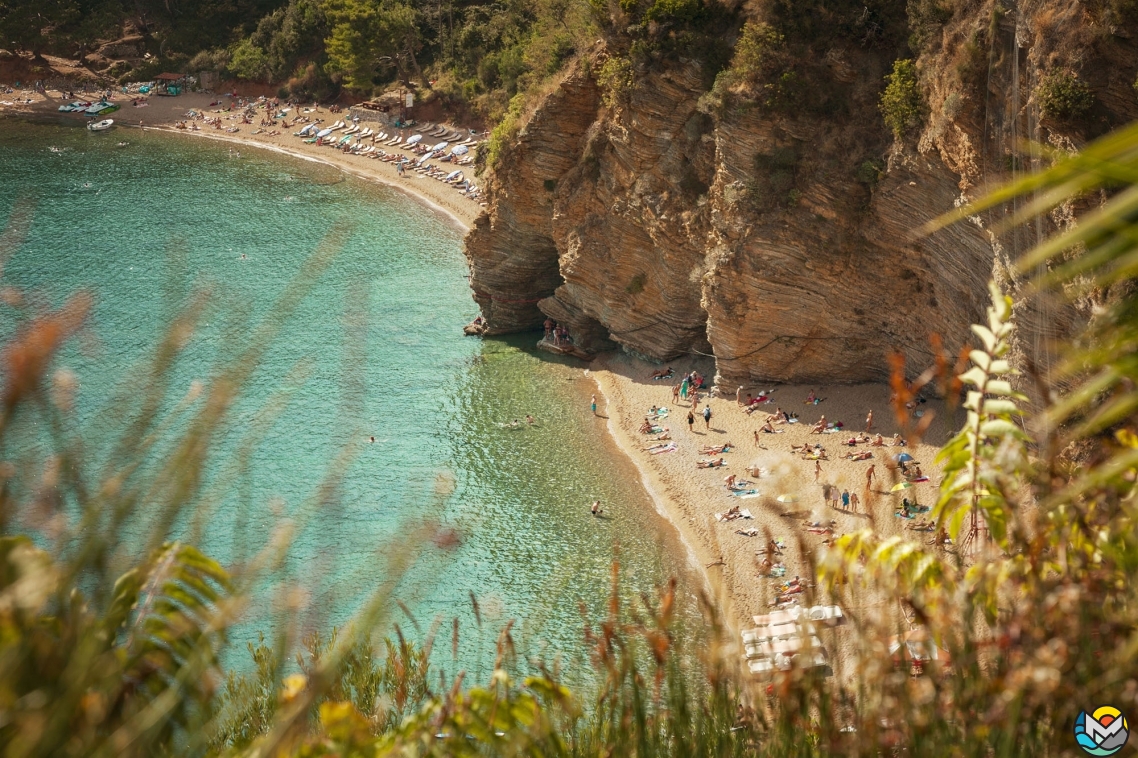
[780, 239]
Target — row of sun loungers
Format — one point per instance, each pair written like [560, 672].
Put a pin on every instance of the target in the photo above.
[788, 638]
[368, 143]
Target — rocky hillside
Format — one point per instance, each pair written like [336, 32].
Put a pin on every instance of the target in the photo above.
[768, 219]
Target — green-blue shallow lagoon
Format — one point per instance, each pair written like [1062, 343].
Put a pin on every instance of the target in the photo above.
[380, 347]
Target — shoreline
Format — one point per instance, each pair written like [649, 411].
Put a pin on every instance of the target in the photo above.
[466, 224]
[161, 114]
[607, 388]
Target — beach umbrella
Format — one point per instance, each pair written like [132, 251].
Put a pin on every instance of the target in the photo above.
[440, 146]
[453, 174]
[414, 139]
[787, 498]
[460, 150]
[901, 486]
[324, 132]
[903, 457]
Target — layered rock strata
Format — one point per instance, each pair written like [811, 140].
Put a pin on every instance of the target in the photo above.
[780, 241]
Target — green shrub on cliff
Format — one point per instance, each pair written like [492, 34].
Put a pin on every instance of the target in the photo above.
[902, 106]
[1062, 95]
[615, 78]
[757, 48]
[505, 131]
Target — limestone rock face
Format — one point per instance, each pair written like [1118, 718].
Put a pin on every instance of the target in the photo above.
[782, 240]
[513, 258]
[628, 225]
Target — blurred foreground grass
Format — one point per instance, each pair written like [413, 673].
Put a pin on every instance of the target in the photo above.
[109, 650]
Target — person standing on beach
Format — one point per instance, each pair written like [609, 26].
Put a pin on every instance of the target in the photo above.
[691, 421]
[817, 470]
[594, 405]
[845, 500]
[676, 394]
[869, 422]
[853, 502]
[707, 416]
[869, 476]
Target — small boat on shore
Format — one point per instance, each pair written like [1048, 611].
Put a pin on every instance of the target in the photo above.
[101, 109]
[100, 126]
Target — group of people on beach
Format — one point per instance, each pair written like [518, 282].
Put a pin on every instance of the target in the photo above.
[555, 333]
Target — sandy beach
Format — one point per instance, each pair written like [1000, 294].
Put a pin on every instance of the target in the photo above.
[789, 492]
[691, 497]
[164, 112]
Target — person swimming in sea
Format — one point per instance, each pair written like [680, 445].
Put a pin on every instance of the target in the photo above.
[597, 510]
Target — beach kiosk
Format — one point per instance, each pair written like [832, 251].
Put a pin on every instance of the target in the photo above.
[170, 84]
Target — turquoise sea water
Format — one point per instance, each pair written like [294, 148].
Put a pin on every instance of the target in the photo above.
[380, 335]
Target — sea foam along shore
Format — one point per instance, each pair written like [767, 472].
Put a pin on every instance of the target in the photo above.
[690, 496]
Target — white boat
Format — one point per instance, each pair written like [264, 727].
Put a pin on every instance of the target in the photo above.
[101, 126]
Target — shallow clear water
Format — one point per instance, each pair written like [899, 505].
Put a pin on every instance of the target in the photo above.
[382, 329]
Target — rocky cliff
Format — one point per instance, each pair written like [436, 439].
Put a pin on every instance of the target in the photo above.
[777, 233]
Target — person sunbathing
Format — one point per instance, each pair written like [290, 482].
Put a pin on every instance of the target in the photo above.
[776, 417]
[819, 427]
[714, 463]
[864, 455]
[878, 441]
[897, 441]
[716, 449]
[811, 398]
[729, 480]
[767, 428]
[663, 374]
